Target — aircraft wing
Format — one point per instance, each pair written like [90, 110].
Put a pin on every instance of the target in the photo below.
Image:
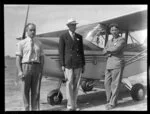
[49, 43]
[132, 22]
[52, 43]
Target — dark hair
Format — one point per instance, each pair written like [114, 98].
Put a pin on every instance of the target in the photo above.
[29, 24]
[113, 25]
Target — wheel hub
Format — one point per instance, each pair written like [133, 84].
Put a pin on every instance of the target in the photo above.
[141, 92]
[56, 99]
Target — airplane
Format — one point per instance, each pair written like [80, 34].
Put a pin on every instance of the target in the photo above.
[95, 37]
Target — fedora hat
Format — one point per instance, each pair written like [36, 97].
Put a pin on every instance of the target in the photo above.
[71, 21]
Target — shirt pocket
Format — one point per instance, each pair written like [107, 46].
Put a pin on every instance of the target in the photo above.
[26, 50]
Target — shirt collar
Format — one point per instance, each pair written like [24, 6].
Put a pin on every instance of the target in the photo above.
[116, 38]
[29, 39]
[71, 33]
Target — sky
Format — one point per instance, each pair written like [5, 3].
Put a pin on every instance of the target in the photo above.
[50, 18]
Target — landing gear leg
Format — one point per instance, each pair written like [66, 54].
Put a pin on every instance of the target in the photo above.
[55, 96]
[137, 91]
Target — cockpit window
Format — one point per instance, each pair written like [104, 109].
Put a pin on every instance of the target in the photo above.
[97, 36]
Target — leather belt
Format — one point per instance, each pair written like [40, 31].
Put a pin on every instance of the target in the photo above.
[31, 63]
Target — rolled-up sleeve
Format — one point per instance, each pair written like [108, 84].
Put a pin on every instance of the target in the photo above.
[19, 49]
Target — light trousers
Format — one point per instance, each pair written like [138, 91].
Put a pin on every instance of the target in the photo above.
[73, 77]
[112, 83]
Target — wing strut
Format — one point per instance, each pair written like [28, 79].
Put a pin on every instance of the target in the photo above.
[23, 37]
[24, 31]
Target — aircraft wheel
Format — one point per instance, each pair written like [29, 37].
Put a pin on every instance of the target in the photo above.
[87, 85]
[53, 98]
[138, 92]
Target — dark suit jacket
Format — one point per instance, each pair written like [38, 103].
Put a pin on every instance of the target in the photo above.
[71, 51]
[114, 49]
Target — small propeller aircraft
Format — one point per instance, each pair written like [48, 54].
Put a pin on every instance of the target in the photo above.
[95, 37]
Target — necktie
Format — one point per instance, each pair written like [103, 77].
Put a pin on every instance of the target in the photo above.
[32, 50]
[73, 35]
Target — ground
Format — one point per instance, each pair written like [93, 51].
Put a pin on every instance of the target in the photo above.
[91, 101]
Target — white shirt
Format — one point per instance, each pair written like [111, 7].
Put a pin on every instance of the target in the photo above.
[71, 34]
[24, 50]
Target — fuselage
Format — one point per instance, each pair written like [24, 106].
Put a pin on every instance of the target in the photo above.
[95, 64]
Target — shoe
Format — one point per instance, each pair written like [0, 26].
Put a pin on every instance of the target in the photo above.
[69, 109]
[77, 109]
[109, 107]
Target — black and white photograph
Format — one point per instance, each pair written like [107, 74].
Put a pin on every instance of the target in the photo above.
[75, 57]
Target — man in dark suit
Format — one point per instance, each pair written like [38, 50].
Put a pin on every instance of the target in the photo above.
[72, 61]
[114, 67]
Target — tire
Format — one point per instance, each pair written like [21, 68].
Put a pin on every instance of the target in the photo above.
[53, 98]
[138, 92]
[86, 85]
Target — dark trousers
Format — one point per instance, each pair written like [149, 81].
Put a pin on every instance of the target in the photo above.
[112, 83]
[31, 82]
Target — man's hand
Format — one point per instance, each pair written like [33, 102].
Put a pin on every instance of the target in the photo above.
[104, 52]
[20, 74]
[63, 68]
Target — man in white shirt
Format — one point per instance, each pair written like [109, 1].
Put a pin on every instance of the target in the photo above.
[29, 62]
